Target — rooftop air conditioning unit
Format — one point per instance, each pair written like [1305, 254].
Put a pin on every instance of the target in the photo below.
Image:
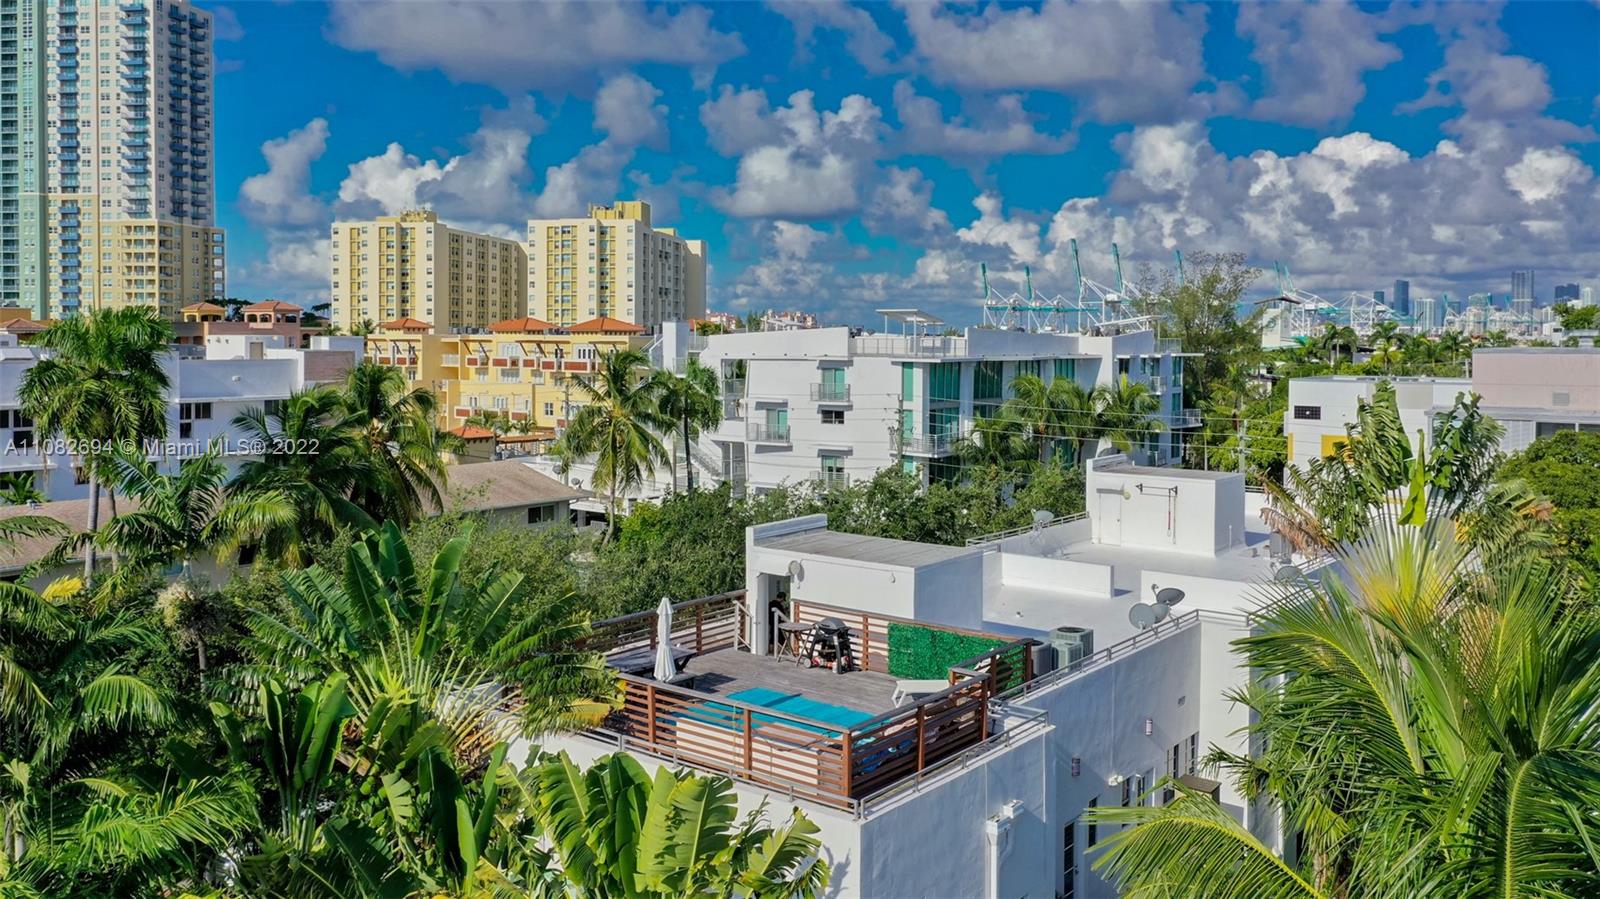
[1072, 645]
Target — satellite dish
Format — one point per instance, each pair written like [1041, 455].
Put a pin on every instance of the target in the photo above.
[1042, 517]
[1169, 596]
[1162, 610]
[1142, 616]
[796, 570]
[1288, 573]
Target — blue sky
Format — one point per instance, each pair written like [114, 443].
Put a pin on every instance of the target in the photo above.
[840, 158]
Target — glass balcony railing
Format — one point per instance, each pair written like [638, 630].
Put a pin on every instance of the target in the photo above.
[830, 393]
[767, 433]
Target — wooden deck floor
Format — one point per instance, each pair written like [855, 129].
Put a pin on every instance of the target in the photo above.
[730, 670]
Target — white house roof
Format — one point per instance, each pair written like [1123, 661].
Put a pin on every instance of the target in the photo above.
[873, 550]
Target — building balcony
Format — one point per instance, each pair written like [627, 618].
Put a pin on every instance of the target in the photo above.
[767, 433]
[1186, 418]
[924, 445]
[830, 478]
[830, 393]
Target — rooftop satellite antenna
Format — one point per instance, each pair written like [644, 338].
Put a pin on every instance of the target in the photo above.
[1142, 616]
[1168, 596]
[1288, 573]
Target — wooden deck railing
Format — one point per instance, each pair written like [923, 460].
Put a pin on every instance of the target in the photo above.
[700, 625]
[753, 743]
[869, 631]
[825, 763]
[1002, 668]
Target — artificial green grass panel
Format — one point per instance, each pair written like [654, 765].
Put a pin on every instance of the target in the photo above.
[925, 653]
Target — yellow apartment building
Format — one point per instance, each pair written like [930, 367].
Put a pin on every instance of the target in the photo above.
[614, 263]
[520, 369]
[140, 262]
[413, 266]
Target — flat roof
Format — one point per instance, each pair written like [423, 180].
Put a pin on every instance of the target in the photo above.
[875, 550]
[1377, 379]
[1180, 473]
[1573, 350]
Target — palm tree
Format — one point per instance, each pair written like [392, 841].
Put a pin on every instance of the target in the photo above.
[1053, 413]
[395, 630]
[489, 419]
[998, 440]
[65, 693]
[1453, 347]
[1432, 733]
[617, 424]
[1387, 341]
[1335, 338]
[692, 400]
[394, 428]
[307, 455]
[18, 489]
[1125, 414]
[615, 831]
[179, 517]
[103, 388]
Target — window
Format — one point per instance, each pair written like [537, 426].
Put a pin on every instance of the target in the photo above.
[1170, 792]
[194, 411]
[1194, 750]
[549, 408]
[1127, 792]
[1069, 860]
[1308, 413]
[833, 416]
[1093, 836]
[542, 514]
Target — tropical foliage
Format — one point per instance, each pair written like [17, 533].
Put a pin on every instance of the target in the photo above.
[1434, 734]
[103, 389]
[1375, 475]
[619, 425]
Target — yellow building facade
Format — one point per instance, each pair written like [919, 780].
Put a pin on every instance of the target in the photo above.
[149, 262]
[614, 263]
[519, 370]
[414, 266]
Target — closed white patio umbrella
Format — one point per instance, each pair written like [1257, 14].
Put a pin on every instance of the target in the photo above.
[666, 665]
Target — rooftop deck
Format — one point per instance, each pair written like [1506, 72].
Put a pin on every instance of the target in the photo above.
[725, 672]
[835, 739]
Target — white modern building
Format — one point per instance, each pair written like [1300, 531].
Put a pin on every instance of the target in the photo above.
[1321, 407]
[208, 388]
[830, 405]
[106, 184]
[1061, 683]
[1532, 391]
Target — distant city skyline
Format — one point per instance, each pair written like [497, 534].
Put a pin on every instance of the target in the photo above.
[840, 158]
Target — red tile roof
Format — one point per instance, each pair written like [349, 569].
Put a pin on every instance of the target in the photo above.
[272, 306]
[405, 324]
[525, 325]
[605, 325]
[24, 326]
[472, 432]
[202, 307]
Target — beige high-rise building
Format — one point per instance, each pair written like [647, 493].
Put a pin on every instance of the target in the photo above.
[106, 156]
[413, 266]
[614, 263]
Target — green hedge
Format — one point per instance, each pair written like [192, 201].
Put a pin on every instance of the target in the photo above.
[925, 653]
